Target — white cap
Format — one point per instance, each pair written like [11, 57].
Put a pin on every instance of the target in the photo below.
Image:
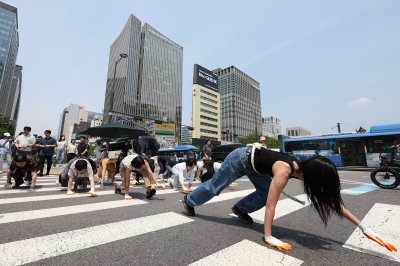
[7, 134]
[262, 138]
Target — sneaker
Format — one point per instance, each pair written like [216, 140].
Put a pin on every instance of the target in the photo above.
[233, 184]
[102, 187]
[150, 191]
[117, 190]
[8, 185]
[189, 209]
[47, 173]
[244, 217]
[135, 183]
[40, 174]
[30, 190]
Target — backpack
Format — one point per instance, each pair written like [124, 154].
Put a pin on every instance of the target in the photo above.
[149, 161]
[210, 172]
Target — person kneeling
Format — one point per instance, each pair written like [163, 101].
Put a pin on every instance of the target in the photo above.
[80, 168]
[181, 171]
[20, 166]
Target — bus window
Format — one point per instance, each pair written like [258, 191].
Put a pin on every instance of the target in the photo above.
[382, 143]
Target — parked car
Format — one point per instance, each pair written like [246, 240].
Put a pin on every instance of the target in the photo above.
[219, 153]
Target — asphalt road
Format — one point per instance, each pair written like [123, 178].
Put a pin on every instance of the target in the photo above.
[48, 228]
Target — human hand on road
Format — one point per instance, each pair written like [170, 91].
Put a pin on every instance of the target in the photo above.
[276, 243]
[160, 186]
[8, 185]
[369, 233]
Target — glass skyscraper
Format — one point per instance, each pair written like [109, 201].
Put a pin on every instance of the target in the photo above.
[14, 98]
[8, 51]
[148, 84]
[240, 103]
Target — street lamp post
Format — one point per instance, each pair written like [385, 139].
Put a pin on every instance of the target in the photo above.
[122, 55]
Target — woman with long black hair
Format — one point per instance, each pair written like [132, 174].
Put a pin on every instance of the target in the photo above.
[269, 171]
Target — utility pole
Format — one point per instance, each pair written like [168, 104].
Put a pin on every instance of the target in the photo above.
[338, 128]
[255, 121]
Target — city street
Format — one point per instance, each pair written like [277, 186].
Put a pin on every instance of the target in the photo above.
[49, 228]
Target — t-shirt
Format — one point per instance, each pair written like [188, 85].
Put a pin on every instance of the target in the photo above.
[125, 150]
[202, 167]
[81, 148]
[183, 173]
[71, 148]
[3, 143]
[24, 140]
[264, 159]
[61, 145]
[49, 151]
[74, 173]
[126, 162]
[97, 150]
[32, 165]
[207, 150]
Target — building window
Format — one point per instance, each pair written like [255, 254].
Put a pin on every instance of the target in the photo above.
[206, 137]
[208, 99]
[208, 112]
[208, 93]
[208, 125]
[209, 106]
[209, 131]
[208, 118]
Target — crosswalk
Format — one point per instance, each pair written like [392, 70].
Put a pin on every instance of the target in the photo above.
[52, 204]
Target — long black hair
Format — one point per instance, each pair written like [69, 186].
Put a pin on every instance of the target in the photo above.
[322, 186]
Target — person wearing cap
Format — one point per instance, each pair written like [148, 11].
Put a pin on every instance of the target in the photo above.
[263, 142]
[5, 151]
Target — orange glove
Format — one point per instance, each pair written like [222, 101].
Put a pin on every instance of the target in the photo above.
[161, 186]
[368, 232]
[276, 243]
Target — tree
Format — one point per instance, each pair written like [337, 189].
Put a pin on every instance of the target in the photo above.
[6, 126]
[271, 143]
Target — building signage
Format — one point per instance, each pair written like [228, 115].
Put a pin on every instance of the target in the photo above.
[205, 77]
[164, 129]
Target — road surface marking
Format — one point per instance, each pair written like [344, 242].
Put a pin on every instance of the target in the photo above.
[248, 253]
[359, 190]
[39, 248]
[384, 220]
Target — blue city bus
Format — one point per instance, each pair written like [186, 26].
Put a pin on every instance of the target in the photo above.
[352, 150]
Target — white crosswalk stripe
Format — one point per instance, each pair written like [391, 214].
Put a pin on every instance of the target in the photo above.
[40, 248]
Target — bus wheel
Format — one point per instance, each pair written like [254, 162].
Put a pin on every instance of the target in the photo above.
[385, 178]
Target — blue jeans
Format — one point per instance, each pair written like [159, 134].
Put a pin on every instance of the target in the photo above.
[174, 182]
[235, 166]
[169, 173]
[59, 155]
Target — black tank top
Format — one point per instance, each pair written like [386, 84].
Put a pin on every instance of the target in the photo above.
[264, 159]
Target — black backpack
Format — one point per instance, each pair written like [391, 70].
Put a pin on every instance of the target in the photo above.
[150, 162]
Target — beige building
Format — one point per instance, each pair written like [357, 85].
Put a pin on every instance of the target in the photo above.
[206, 113]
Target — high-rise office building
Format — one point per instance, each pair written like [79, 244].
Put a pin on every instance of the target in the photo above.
[240, 103]
[271, 126]
[9, 43]
[206, 105]
[186, 137]
[297, 131]
[75, 114]
[148, 83]
[14, 98]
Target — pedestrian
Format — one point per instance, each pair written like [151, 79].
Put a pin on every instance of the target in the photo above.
[36, 149]
[107, 166]
[47, 145]
[263, 142]
[98, 153]
[21, 165]
[131, 163]
[162, 163]
[79, 168]
[125, 149]
[5, 151]
[207, 149]
[25, 141]
[71, 150]
[208, 167]
[168, 173]
[60, 152]
[83, 147]
[181, 171]
[269, 171]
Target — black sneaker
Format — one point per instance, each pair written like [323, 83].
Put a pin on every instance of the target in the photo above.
[244, 217]
[150, 192]
[117, 190]
[40, 174]
[189, 209]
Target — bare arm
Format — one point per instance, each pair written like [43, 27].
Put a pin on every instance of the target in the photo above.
[281, 172]
[148, 169]
[349, 216]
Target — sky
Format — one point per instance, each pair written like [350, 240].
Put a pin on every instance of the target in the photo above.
[318, 63]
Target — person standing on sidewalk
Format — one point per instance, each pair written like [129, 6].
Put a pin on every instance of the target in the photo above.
[83, 148]
[60, 152]
[46, 153]
[71, 150]
[24, 142]
[5, 151]
[207, 149]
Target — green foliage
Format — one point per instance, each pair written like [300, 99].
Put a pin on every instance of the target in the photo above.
[271, 143]
[6, 126]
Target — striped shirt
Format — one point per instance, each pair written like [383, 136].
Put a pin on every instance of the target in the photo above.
[126, 162]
